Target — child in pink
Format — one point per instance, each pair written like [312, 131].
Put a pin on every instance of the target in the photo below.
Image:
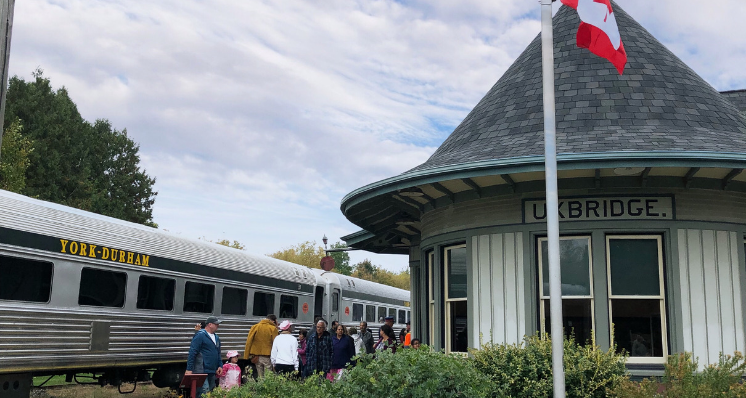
[231, 376]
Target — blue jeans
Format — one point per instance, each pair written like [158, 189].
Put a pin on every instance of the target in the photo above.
[208, 386]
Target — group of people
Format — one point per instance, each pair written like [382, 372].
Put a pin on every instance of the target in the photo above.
[271, 346]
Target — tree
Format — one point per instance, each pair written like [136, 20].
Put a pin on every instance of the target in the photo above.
[307, 253]
[74, 163]
[15, 158]
[374, 273]
[341, 259]
[235, 244]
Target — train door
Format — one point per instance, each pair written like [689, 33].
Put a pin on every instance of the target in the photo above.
[335, 305]
[318, 304]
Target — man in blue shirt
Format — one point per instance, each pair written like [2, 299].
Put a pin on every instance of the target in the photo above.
[207, 343]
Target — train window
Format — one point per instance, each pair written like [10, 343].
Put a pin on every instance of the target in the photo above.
[357, 312]
[198, 297]
[402, 316]
[370, 313]
[381, 313]
[335, 301]
[288, 306]
[155, 293]
[234, 301]
[264, 303]
[25, 280]
[392, 312]
[102, 288]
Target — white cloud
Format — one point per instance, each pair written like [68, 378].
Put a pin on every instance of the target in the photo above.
[257, 117]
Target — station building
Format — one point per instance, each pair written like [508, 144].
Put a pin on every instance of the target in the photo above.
[652, 208]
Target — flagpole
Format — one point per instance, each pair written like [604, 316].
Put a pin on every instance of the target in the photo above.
[550, 164]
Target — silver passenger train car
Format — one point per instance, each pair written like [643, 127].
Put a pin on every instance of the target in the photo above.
[83, 293]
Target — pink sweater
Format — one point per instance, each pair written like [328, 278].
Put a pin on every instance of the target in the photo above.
[231, 376]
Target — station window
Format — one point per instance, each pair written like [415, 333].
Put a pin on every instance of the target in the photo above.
[335, 302]
[636, 297]
[25, 280]
[155, 293]
[264, 304]
[288, 306]
[198, 297]
[402, 316]
[382, 313]
[370, 313]
[357, 312]
[456, 287]
[430, 299]
[102, 288]
[234, 301]
[577, 289]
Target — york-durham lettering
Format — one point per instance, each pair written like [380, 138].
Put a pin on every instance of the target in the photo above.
[104, 253]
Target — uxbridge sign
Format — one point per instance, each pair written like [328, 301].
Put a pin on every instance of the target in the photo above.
[603, 208]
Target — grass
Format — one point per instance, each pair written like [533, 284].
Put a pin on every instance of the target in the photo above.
[81, 391]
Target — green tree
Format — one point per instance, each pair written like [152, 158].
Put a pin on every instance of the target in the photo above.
[374, 273]
[341, 259]
[75, 163]
[15, 158]
[307, 253]
[235, 244]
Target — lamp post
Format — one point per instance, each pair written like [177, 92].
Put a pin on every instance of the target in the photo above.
[324, 239]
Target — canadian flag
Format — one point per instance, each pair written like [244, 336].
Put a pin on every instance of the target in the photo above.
[598, 31]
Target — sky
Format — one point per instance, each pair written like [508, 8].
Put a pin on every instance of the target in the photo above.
[257, 117]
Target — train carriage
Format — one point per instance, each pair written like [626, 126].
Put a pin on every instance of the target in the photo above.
[82, 293]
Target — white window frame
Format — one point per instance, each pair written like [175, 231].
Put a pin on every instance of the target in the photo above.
[448, 300]
[545, 297]
[661, 297]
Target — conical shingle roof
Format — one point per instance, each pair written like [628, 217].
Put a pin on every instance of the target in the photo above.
[659, 104]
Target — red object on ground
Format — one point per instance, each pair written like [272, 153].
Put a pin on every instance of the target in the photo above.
[192, 381]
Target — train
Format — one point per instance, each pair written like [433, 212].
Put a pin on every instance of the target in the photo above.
[83, 294]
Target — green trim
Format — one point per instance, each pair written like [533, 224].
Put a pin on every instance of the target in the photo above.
[567, 161]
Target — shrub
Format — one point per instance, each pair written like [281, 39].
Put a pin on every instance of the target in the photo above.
[682, 380]
[413, 373]
[408, 373]
[274, 385]
[525, 369]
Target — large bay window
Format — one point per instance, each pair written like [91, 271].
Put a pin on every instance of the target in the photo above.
[430, 299]
[455, 299]
[577, 287]
[636, 297]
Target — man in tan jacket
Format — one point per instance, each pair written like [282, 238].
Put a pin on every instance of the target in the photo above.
[259, 344]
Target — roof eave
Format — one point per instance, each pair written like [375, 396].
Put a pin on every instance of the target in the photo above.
[567, 161]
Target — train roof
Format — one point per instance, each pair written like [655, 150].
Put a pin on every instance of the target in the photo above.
[38, 221]
[351, 284]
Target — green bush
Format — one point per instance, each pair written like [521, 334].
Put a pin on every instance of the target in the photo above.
[416, 373]
[408, 373]
[274, 385]
[525, 369]
[682, 380]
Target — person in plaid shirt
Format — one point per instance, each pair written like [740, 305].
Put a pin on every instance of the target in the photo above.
[318, 351]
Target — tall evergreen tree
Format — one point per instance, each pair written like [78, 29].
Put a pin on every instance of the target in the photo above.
[75, 163]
